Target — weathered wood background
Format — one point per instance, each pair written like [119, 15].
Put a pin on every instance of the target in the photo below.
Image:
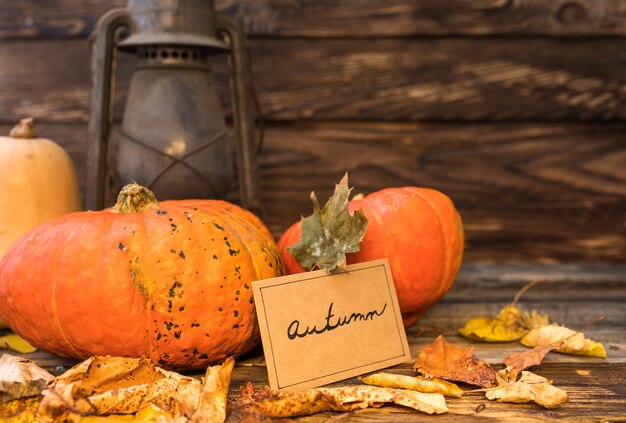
[515, 108]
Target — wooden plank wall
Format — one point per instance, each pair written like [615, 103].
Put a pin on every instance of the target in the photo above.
[515, 108]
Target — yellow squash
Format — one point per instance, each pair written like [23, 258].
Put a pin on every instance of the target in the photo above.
[37, 182]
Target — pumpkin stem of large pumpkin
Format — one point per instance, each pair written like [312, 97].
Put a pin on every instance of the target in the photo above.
[134, 198]
[24, 129]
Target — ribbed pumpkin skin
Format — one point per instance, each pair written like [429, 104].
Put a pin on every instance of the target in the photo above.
[418, 230]
[172, 284]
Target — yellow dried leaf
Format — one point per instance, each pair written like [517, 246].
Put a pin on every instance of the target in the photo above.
[280, 404]
[535, 320]
[21, 410]
[507, 326]
[529, 388]
[414, 383]
[571, 341]
[20, 377]
[14, 342]
[149, 414]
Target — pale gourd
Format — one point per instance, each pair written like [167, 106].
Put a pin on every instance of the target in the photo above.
[37, 182]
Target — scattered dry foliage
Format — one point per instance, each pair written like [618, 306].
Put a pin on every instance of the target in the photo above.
[280, 404]
[116, 389]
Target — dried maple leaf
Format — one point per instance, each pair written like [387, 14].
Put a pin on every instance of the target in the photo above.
[454, 362]
[571, 342]
[529, 388]
[16, 343]
[280, 404]
[507, 326]
[20, 377]
[434, 385]
[329, 233]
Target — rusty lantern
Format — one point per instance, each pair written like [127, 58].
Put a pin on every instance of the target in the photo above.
[173, 137]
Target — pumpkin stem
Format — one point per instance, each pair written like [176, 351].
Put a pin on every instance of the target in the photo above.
[134, 198]
[24, 129]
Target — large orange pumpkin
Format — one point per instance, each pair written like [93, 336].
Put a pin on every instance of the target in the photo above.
[171, 281]
[418, 230]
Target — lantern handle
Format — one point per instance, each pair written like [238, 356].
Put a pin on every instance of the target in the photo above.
[103, 63]
[242, 105]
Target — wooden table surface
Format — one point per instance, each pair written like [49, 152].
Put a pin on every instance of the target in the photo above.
[572, 295]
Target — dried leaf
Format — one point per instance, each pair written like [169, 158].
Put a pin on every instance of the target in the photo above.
[149, 414]
[435, 385]
[535, 320]
[14, 342]
[279, 404]
[572, 342]
[116, 385]
[507, 326]
[212, 405]
[525, 359]
[329, 233]
[453, 362]
[529, 388]
[20, 377]
[21, 410]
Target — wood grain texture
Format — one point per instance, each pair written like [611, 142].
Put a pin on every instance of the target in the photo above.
[382, 79]
[348, 18]
[596, 387]
[526, 192]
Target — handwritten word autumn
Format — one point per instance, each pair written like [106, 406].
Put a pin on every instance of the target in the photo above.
[294, 331]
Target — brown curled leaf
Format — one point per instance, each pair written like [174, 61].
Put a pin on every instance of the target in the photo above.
[454, 362]
[280, 404]
[534, 357]
[414, 383]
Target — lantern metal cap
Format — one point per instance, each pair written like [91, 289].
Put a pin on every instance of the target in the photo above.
[172, 22]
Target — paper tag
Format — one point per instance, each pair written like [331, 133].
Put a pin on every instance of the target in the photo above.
[319, 328]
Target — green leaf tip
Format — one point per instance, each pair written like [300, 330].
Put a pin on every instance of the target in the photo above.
[330, 232]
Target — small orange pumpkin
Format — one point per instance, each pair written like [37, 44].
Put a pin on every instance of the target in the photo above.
[418, 230]
[168, 281]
